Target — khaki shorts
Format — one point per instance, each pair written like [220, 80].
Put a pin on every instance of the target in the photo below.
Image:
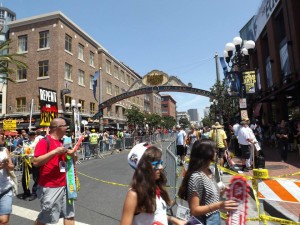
[54, 204]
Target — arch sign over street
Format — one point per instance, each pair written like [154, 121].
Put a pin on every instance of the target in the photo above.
[155, 81]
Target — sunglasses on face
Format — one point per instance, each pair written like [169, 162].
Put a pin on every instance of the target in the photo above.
[158, 164]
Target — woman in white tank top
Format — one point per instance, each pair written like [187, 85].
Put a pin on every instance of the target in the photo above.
[147, 199]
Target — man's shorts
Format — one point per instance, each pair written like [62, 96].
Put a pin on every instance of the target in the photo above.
[54, 204]
[220, 152]
[180, 150]
[6, 203]
[245, 151]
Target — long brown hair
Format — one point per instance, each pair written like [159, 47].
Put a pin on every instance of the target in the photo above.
[144, 184]
[202, 154]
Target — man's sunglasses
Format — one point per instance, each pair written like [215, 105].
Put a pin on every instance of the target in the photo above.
[158, 164]
[64, 125]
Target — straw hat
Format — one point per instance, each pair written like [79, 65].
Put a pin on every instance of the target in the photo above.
[217, 125]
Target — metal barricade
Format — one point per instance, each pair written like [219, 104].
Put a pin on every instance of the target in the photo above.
[171, 168]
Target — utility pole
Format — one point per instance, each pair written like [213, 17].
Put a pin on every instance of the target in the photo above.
[217, 67]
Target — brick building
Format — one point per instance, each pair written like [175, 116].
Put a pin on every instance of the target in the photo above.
[60, 55]
[168, 106]
[276, 31]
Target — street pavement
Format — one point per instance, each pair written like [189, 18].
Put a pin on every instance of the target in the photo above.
[103, 190]
[285, 210]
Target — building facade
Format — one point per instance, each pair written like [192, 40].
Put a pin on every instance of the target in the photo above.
[181, 115]
[276, 31]
[168, 106]
[61, 56]
[193, 114]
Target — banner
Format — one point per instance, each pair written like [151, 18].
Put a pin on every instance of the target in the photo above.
[232, 83]
[9, 125]
[77, 123]
[48, 106]
[284, 60]
[249, 80]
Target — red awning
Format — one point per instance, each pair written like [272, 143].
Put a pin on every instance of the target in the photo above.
[11, 133]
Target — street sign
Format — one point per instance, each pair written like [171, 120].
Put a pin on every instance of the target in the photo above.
[84, 122]
[243, 103]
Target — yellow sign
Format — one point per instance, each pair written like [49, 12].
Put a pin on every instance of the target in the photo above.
[9, 125]
[155, 78]
[249, 78]
[46, 118]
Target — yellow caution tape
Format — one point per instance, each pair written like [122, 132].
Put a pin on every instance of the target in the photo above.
[103, 181]
[260, 174]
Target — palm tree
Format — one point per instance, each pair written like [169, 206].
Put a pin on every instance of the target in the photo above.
[6, 59]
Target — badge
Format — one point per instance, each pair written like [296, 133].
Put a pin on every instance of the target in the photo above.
[62, 166]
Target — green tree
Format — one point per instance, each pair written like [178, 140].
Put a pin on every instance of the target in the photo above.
[168, 122]
[134, 116]
[184, 122]
[6, 59]
[226, 106]
[206, 121]
[153, 120]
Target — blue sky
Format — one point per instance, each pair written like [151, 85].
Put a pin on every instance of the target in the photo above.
[179, 37]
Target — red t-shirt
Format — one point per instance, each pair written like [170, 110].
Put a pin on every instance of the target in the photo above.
[50, 175]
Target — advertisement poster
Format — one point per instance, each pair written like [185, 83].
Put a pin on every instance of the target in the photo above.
[249, 78]
[9, 125]
[232, 83]
[48, 106]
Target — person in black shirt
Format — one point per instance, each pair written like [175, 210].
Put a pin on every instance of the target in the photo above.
[282, 134]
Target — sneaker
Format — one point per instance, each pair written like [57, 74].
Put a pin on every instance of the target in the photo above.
[32, 197]
[24, 196]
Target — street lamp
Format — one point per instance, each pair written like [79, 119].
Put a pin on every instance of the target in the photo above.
[236, 55]
[214, 106]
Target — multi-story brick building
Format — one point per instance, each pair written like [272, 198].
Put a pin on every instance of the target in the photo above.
[60, 55]
[168, 106]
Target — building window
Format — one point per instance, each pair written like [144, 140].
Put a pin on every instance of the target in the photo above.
[43, 68]
[122, 76]
[82, 105]
[108, 88]
[92, 56]
[80, 77]
[117, 90]
[68, 43]
[80, 51]
[128, 80]
[91, 81]
[22, 43]
[2, 14]
[21, 104]
[108, 65]
[68, 99]
[92, 108]
[116, 72]
[68, 71]
[21, 74]
[44, 39]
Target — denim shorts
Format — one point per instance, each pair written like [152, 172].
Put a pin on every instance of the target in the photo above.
[213, 219]
[54, 204]
[6, 203]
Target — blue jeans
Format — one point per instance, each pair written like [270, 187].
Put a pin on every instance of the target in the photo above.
[6, 203]
[213, 219]
[87, 149]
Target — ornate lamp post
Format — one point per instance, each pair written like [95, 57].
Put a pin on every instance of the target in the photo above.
[237, 55]
[75, 117]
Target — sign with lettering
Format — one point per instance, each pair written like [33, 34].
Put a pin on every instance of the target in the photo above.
[155, 78]
[9, 125]
[48, 106]
[249, 80]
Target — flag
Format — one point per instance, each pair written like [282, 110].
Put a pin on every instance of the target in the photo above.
[95, 81]
[224, 66]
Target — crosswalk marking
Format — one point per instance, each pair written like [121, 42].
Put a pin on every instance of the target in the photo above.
[32, 215]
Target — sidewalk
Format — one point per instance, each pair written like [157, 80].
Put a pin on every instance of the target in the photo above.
[290, 211]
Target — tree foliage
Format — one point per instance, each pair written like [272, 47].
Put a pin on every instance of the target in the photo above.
[134, 116]
[6, 59]
[184, 122]
[168, 122]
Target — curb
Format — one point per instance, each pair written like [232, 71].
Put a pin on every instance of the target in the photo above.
[276, 210]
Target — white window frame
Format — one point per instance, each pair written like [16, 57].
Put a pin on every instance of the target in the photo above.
[81, 77]
[22, 43]
[92, 59]
[44, 35]
[108, 67]
[68, 71]
[80, 52]
[108, 87]
[91, 81]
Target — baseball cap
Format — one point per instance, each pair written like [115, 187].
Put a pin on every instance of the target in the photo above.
[178, 126]
[136, 154]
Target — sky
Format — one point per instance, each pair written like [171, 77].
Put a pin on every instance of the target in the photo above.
[178, 37]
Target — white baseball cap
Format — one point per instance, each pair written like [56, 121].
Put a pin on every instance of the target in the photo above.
[136, 154]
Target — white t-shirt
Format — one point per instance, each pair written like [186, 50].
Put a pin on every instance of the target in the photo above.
[160, 214]
[180, 137]
[243, 135]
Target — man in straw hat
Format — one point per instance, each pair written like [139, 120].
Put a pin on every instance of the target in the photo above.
[218, 135]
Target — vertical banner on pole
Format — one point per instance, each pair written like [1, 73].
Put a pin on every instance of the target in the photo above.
[77, 124]
[249, 78]
[48, 106]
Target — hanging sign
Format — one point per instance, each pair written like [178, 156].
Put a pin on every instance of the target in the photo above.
[243, 103]
[249, 78]
[48, 106]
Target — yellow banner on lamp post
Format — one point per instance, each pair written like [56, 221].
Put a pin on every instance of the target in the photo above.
[249, 80]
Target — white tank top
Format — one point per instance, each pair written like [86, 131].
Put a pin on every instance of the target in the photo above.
[160, 215]
[4, 178]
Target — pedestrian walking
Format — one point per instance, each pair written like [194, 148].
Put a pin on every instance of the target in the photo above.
[282, 134]
[147, 198]
[199, 187]
[180, 144]
[192, 137]
[52, 191]
[93, 138]
[6, 192]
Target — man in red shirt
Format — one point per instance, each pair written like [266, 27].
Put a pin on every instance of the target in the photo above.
[50, 156]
